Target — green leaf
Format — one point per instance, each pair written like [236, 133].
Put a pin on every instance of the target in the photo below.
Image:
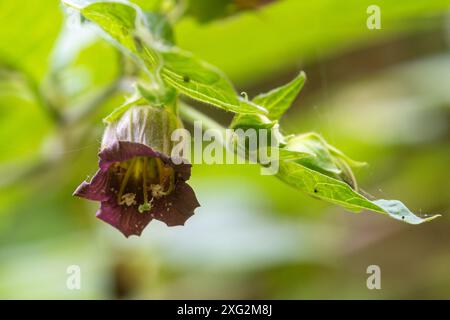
[160, 27]
[203, 82]
[117, 19]
[126, 25]
[288, 155]
[326, 188]
[246, 120]
[339, 154]
[397, 210]
[278, 100]
[326, 158]
[160, 96]
[314, 144]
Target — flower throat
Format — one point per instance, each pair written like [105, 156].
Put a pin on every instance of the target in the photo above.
[141, 180]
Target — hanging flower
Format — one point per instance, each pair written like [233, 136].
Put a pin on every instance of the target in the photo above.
[137, 180]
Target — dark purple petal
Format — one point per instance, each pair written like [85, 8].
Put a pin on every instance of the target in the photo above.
[121, 151]
[127, 220]
[95, 190]
[183, 170]
[177, 207]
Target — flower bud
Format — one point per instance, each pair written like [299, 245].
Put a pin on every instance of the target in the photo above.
[144, 124]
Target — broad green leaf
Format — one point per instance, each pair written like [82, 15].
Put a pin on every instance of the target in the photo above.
[117, 19]
[326, 188]
[203, 82]
[326, 158]
[278, 100]
[126, 25]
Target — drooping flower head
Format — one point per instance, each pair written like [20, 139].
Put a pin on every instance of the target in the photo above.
[137, 180]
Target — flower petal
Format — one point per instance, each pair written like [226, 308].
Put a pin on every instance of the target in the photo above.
[121, 151]
[177, 207]
[183, 170]
[95, 190]
[127, 220]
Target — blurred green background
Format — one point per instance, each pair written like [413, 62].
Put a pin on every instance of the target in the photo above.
[382, 96]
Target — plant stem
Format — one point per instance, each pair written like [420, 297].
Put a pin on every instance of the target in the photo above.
[192, 115]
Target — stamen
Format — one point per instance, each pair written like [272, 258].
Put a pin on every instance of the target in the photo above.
[160, 168]
[144, 181]
[166, 178]
[152, 170]
[171, 181]
[157, 191]
[146, 206]
[125, 180]
[128, 199]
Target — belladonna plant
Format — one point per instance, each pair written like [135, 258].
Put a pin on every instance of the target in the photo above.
[138, 181]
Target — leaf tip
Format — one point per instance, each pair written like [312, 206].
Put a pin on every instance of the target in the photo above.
[397, 210]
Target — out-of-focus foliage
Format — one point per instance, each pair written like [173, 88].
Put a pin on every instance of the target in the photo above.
[291, 33]
[255, 237]
[206, 11]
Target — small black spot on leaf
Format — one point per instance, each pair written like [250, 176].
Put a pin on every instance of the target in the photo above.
[138, 43]
[186, 79]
